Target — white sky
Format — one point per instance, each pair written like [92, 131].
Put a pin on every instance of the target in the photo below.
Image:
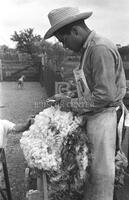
[110, 17]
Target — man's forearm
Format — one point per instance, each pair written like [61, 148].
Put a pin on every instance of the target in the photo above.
[78, 105]
[82, 104]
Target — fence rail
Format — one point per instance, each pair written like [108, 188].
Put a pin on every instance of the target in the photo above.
[12, 70]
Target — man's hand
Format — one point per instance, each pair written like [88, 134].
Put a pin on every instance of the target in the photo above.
[57, 99]
[63, 101]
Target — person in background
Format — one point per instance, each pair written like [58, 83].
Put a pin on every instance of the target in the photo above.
[7, 126]
[21, 82]
[101, 87]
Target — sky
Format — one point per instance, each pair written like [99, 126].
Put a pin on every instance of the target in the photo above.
[110, 17]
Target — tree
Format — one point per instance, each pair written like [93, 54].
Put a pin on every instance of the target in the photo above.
[26, 41]
[58, 53]
[124, 50]
[5, 48]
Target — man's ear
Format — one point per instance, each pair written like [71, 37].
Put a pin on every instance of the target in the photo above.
[74, 30]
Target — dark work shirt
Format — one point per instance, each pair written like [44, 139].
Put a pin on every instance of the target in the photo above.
[103, 69]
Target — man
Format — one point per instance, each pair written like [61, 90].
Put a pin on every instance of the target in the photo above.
[101, 86]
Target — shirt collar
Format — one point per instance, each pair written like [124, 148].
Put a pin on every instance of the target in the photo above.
[88, 40]
[87, 43]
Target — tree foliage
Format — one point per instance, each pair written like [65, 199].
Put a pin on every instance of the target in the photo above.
[124, 50]
[26, 41]
[35, 45]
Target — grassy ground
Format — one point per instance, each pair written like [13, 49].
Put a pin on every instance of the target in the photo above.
[17, 105]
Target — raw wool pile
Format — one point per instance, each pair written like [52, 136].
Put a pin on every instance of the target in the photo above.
[42, 143]
[57, 144]
[69, 183]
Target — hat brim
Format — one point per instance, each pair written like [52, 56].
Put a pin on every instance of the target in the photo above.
[56, 27]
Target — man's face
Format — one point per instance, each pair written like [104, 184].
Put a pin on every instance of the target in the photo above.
[70, 41]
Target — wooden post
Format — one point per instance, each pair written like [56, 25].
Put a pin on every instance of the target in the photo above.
[1, 73]
[39, 181]
[45, 189]
[42, 184]
[5, 170]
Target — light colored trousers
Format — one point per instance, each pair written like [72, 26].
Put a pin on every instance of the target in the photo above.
[101, 130]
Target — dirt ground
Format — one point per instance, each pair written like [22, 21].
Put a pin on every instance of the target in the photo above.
[17, 105]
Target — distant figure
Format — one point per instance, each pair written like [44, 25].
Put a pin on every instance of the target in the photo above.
[21, 82]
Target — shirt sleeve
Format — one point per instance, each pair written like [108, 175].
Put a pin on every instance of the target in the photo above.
[9, 125]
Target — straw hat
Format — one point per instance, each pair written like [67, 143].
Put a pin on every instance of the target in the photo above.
[63, 16]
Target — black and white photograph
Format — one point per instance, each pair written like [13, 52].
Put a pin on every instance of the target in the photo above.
[64, 100]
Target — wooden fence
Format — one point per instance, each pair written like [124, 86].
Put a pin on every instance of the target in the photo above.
[48, 77]
[126, 68]
[11, 70]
